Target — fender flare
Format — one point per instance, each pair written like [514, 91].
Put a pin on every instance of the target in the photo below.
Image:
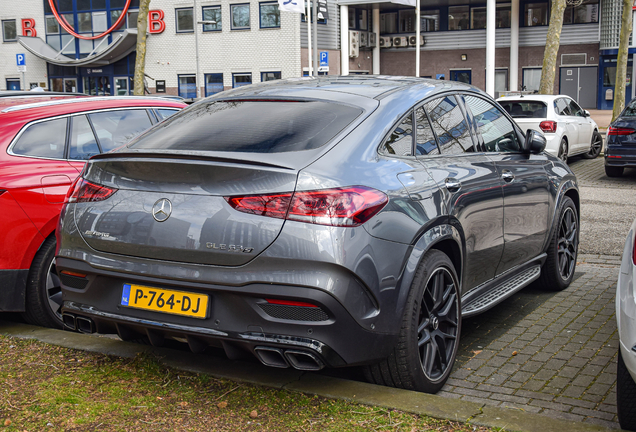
[566, 186]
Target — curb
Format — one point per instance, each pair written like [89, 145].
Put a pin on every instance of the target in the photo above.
[309, 383]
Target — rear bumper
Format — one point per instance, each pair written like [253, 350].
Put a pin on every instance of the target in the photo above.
[239, 319]
[12, 290]
[620, 157]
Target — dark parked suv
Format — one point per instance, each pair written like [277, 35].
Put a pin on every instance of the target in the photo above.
[319, 222]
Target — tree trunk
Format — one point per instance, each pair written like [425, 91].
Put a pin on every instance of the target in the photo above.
[140, 63]
[552, 44]
[620, 84]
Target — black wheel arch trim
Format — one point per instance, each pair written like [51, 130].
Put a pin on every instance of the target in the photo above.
[570, 189]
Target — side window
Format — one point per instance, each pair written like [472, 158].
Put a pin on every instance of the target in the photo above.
[497, 131]
[449, 125]
[115, 128]
[575, 109]
[83, 143]
[400, 142]
[425, 143]
[562, 107]
[45, 139]
[165, 113]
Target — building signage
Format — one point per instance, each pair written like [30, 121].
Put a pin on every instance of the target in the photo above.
[160, 86]
[28, 27]
[156, 24]
[20, 60]
[323, 13]
[324, 58]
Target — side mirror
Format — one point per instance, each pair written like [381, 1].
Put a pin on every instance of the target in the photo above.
[586, 113]
[535, 142]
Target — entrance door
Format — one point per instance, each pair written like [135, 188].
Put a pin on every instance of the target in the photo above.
[13, 84]
[70, 85]
[121, 86]
[97, 86]
[580, 84]
[464, 76]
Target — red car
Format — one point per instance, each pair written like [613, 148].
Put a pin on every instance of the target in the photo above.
[43, 147]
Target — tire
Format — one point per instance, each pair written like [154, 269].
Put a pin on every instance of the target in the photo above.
[563, 150]
[425, 353]
[43, 292]
[595, 147]
[625, 396]
[558, 270]
[612, 171]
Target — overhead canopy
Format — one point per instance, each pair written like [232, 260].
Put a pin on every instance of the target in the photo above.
[122, 45]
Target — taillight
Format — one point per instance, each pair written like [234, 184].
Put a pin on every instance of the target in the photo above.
[620, 131]
[350, 206]
[548, 126]
[84, 191]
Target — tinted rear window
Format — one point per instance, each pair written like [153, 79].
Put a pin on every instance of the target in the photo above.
[250, 127]
[527, 109]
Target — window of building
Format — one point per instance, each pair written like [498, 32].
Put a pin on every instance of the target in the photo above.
[270, 76]
[212, 13]
[213, 83]
[458, 17]
[400, 141]
[388, 23]
[531, 79]
[303, 18]
[52, 26]
[352, 17]
[478, 18]
[132, 19]
[503, 15]
[449, 125]
[241, 79]
[240, 15]
[269, 15]
[535, 14]
[587, 12]
[187, 86]
[429, 20]
[13, 83]
[185, 20]
[9, 31]
[363, 19]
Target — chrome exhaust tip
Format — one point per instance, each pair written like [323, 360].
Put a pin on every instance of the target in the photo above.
[271, 356]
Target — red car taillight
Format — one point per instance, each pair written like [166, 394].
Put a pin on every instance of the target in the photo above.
[350, 206]
[548, 126]
[620, 131]
[84, 191]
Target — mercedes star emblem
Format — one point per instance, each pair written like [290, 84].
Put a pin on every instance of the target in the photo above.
[162, 210]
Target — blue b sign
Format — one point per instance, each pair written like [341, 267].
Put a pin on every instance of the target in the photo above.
[324, 58]
[20, 59]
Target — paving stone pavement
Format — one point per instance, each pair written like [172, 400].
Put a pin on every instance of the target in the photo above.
[591, 172]
[552, 353]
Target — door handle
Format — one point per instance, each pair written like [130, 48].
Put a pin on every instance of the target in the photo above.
[507, 176]
[452, 184]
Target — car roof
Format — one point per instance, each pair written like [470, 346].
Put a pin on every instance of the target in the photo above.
[38, 108]
[366, 86]
[531, 97]
[26, 98]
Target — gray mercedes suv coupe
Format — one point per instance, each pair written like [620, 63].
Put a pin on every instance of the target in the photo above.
[319, 223]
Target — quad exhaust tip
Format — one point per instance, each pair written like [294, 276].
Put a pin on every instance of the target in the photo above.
[78, 323]
[271, 356]
[69, 322]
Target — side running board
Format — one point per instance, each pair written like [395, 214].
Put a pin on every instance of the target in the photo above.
[500, 292]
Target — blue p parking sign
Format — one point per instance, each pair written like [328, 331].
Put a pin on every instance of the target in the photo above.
[20, 59]
[324, 58]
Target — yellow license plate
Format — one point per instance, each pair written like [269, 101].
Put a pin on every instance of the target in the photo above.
[167, 301]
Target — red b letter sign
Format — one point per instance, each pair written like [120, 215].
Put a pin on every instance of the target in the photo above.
[155, 21]
[28, 27]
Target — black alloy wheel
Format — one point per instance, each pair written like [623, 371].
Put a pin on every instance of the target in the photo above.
[563, 150]
[559, 266]
[43, 290]
[567, 245]
[596, 146]
[424, 355]
[438, 325]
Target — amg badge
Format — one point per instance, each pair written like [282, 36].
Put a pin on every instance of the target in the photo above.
[228, 247]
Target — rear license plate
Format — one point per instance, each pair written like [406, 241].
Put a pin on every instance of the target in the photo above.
[167, 301]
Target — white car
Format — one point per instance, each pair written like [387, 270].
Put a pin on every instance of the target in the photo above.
[569, 130]
[626, 323]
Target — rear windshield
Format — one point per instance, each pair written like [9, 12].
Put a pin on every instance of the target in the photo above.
[250, 127]
[528, 109]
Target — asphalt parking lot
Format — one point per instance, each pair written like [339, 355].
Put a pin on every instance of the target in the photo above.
[555, 353]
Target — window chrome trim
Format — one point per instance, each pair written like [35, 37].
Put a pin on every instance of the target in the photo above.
[67, 116]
